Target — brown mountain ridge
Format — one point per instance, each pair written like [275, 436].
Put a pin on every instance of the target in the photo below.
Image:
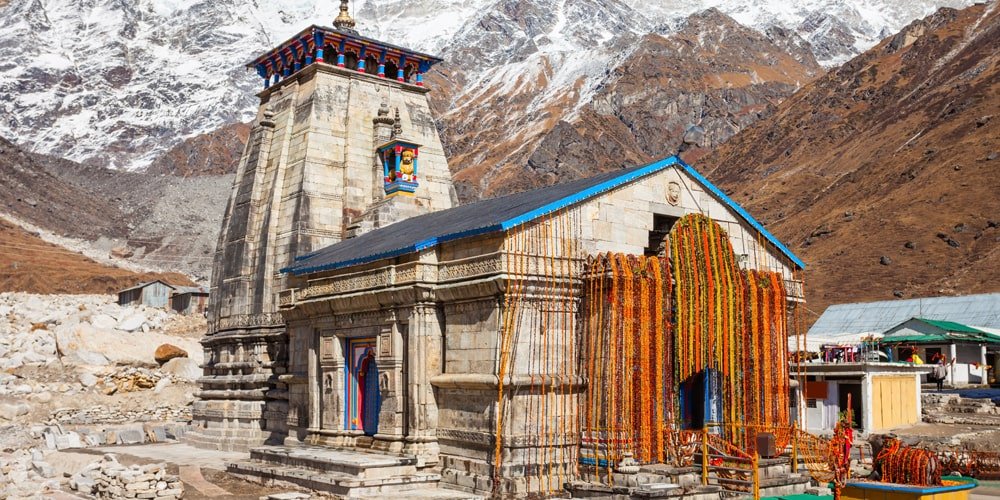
[883, 174]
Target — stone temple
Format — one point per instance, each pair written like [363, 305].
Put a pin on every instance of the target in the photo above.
[370, 337]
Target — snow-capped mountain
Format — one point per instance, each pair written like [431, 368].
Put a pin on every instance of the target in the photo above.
[118, 83]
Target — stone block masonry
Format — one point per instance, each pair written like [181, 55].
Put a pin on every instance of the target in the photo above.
[307, 175]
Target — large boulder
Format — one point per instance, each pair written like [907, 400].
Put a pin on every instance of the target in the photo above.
[132, 322]
[103, 322]
[166, 352]
[183, 368]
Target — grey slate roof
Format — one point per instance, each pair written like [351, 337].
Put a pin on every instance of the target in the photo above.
[465, 220]
[498, 214]
[877, 317]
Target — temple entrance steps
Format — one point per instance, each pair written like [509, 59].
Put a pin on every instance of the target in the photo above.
[775, 478]
[651, 481]
[341, 473]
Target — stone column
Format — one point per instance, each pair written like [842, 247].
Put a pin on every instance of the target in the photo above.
[983, 364]
[424, 359]
[952, 354]
[315, 383]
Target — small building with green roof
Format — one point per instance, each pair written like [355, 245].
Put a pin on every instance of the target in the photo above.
[972, 354]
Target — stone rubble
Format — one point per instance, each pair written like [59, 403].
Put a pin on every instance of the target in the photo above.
[80, 372]
[110, 479]
[80, 330]
[26, 474]
[949, 408]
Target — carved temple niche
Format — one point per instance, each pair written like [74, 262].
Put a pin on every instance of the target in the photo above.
[400, 165]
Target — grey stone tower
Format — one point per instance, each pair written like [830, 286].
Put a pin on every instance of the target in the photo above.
[310, 176]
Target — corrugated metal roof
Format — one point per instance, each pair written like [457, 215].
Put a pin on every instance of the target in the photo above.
[934, 338]
[876, 317]
[181, 290]
[495, 215]
[144, 285]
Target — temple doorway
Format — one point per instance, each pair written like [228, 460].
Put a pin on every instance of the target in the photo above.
[362, 394]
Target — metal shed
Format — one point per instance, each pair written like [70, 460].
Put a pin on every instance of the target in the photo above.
[189, 300]
[152, 294]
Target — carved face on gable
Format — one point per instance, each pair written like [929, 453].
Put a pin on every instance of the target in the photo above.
[673, 193]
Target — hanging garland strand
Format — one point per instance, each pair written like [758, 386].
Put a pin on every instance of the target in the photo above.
[733, 321]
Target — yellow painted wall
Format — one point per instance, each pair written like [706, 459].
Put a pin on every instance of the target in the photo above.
[894, 401]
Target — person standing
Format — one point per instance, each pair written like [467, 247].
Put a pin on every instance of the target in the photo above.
[940, 371]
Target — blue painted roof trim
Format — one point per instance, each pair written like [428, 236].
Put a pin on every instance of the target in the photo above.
[744, 214]
[551, 208]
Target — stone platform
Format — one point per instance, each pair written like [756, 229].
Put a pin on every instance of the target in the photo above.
[342, 473]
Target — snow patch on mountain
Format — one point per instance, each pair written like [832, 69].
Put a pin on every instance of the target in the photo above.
[118, 83]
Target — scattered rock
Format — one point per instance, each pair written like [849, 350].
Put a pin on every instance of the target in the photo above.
[88, 379]
[43, 397]
[166, 352]
[992, 156]
[949, 240]
[12, 411]
[910, 245]
[122, 253]
[821, 231]
[183, 368]
[897, 293]
[885, 261]
[161, 384]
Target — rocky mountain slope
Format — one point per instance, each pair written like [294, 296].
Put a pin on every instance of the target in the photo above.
[159, 222]
[119, 84]
[882, 174]
[30, 264]
[644, 90]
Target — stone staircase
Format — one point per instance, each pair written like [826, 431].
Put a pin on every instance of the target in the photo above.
[342, 473]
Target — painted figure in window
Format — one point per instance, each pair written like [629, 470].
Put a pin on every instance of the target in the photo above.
[406, 165]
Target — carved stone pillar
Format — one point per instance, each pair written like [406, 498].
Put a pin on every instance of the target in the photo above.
[424, 357]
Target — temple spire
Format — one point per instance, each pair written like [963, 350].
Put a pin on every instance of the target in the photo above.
[344, 21]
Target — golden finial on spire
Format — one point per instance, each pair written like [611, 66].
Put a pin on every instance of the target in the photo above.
[344, 21]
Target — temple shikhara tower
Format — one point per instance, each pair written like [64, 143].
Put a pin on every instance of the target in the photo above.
[344, 142]
[367, 337]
